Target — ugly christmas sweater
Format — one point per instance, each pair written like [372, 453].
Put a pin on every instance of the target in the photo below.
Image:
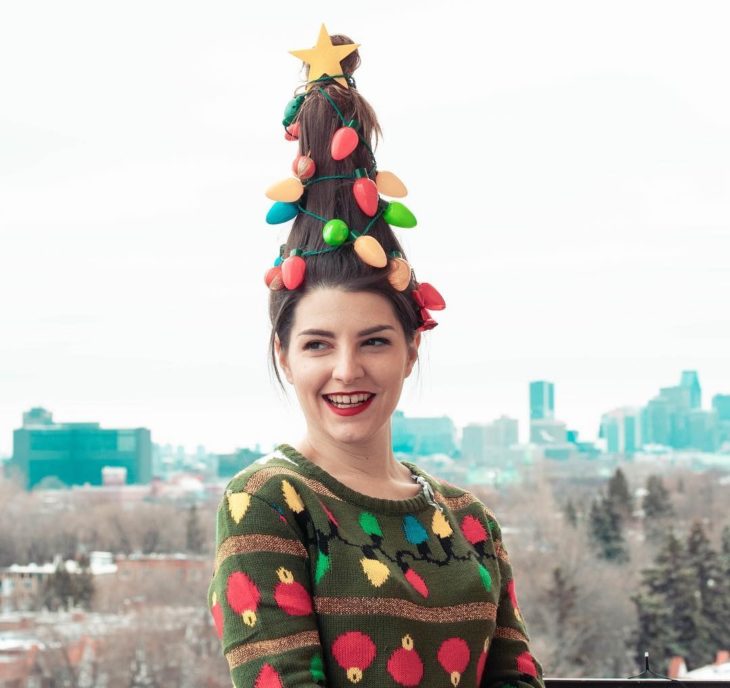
[318, 585]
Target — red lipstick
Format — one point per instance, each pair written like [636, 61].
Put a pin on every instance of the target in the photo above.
[351, 410]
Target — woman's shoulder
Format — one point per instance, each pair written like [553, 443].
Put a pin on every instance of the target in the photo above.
[452, 496]
[255, 477]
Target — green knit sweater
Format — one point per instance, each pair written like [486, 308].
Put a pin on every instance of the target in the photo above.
[318, 585]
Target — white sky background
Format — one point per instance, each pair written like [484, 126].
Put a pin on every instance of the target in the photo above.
[569, 164]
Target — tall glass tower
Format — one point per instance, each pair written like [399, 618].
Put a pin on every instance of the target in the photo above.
[542, 400]
[691, 381]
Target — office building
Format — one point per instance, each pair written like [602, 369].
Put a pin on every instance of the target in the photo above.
[621, 428]
[423, 436]
[542, 400]
[486, 443]
[690, 381]
[63, 454]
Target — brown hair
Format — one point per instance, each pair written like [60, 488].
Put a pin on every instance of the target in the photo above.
[341, 268]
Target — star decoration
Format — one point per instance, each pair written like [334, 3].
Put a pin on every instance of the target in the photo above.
[325, 58]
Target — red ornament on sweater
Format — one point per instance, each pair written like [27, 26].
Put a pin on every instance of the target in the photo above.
[354, 652]
[473, 529]
[405, 664]
[526, 664]
[291, 596]
[243, 596]
[268, 678]
[453, 656]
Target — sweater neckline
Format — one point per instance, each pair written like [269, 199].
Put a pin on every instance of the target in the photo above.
[347, 494]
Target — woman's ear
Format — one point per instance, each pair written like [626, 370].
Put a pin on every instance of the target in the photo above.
[283, 360]
[413, 346]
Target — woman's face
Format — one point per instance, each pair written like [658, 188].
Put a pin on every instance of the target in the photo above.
[347, 359]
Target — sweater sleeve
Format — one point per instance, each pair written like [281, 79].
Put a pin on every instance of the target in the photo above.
[261, 599]
[509, 661]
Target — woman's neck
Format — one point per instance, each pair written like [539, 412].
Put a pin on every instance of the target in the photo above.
[372, 461]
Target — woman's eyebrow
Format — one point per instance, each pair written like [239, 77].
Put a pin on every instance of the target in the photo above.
[326, 333]
[316, 333]
[373, 330]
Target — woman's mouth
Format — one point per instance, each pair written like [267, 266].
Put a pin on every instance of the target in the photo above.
[348, 404]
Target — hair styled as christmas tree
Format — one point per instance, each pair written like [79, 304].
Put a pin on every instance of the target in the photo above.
[339, 199]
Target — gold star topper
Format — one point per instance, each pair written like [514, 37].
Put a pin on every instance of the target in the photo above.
[325, 58]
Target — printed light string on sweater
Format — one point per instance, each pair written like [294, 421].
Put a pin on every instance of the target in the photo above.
[288, 272]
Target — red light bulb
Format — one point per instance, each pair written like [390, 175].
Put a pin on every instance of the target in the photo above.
[344, 142]
[292, 269]
[365, 192]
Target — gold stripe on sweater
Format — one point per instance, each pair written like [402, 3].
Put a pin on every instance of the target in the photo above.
[394, 606]
[250, 651]
[261, 477]
[246, 544]
[455, 503]
[500, 551]
[509, 634]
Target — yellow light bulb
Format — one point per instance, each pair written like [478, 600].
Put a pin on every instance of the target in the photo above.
[400, 273]
[389, 185]
[370, 251]
[286, 191]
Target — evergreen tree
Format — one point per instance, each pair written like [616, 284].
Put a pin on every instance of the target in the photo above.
[657, 508]
[57, 589]
[620, 494]
[195, 540]
[63, 589]
[668, 607]
[605, 527]
[571, 515]
[724, 581]
[724, 557]
[561, 598]
[83, 587]
[656, 503]
[713, 590]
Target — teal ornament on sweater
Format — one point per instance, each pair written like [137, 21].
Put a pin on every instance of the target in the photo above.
[414, 531]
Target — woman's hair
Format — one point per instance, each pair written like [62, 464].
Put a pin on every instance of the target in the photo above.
[340, 268]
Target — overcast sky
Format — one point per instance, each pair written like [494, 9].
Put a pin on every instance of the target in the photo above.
[568, 162]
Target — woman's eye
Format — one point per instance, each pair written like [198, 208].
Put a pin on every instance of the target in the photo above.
[377, 341]
[314, 346]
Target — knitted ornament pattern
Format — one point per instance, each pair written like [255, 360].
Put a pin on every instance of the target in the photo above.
[316, 584]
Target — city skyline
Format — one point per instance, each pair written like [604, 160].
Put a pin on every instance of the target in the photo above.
[624, 428]
[569, 167]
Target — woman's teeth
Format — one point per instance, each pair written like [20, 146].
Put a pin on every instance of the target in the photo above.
[345, 400]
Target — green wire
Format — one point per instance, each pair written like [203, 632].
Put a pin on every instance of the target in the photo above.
[344, 121]
[314, 180]
[352, 231]
[324, 220]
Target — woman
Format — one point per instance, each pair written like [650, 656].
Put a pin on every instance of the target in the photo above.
[336, 564]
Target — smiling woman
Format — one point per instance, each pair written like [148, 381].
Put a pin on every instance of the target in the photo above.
[347, 380]
[336, 563]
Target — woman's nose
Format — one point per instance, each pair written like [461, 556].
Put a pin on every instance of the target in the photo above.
[348, 366]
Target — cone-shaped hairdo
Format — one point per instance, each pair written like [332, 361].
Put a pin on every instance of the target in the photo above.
[340, 268]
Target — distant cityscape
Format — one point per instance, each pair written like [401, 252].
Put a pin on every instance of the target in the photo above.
[48, 454]
[103, 529]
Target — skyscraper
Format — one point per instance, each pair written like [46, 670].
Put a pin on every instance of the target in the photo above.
[622, 430]
[542, 400]
[721, 405]
[692, 383]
